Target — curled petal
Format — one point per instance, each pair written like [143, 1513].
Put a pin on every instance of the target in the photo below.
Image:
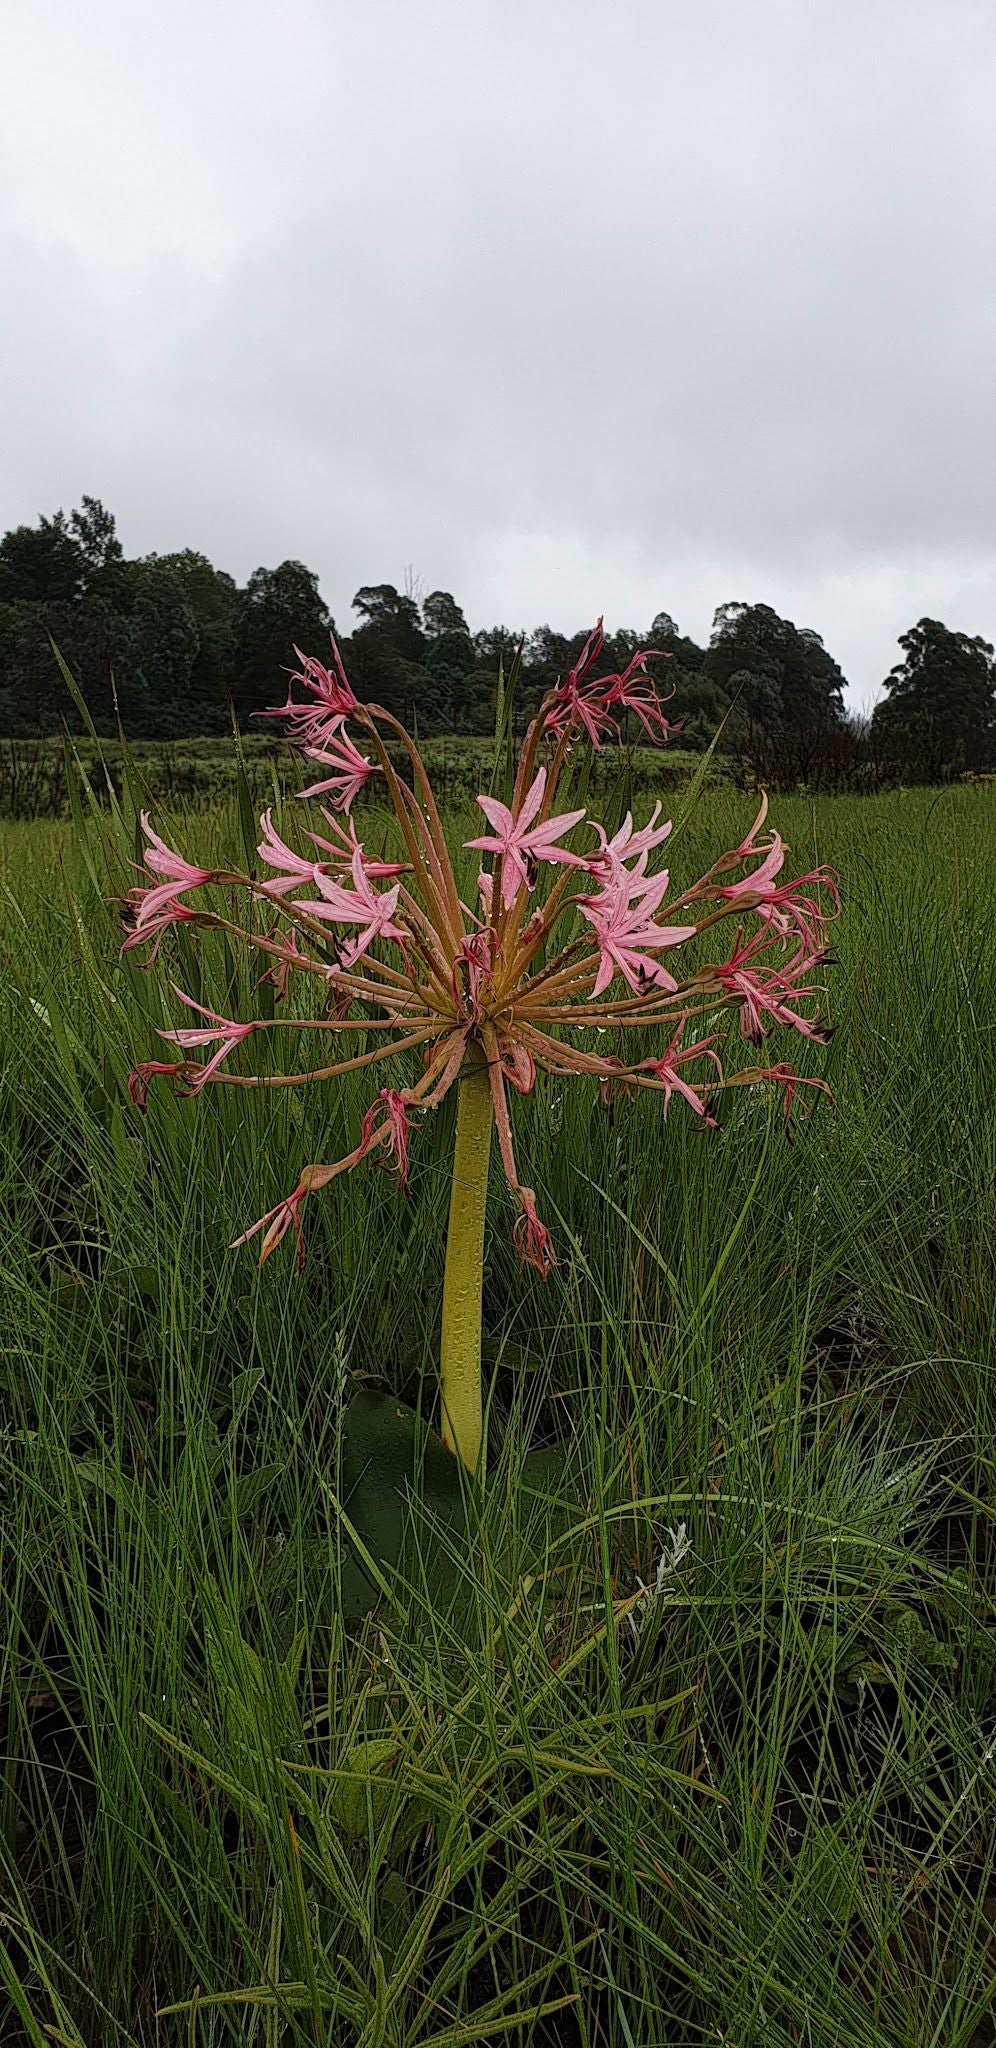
[666, 1072]
[518, 1066]
[330, 686]
[276, 1223]
[626, 693]
[748, 845]
[142, 1074]
[225, 1032]
[595, 706]
[294, 872]
[393, 1132]
[161, 860]
[766, 993]
[341, 852]
[531, 1238]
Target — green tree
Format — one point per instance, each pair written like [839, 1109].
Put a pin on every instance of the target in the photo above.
[939, 717]
[782, 677]
[278, 610]
[442, 617]
[392, 617]
[94, 531]
[61, 581]
[212, 600]
[388, 651]
[161, 643]
[41, 564]
[95, 639]
[447, 665]
[697, 699]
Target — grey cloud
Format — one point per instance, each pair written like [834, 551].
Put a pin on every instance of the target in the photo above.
[569, 307]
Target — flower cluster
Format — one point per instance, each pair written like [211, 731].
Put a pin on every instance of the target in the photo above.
[567, 939]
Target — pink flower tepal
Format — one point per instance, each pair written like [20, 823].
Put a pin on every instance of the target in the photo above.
[219, 1029]
[519, 843]
[359, 906]
[151, 905]
[352, 770]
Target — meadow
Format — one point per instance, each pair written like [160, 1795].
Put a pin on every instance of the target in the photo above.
[199, 774]
[685, 1731]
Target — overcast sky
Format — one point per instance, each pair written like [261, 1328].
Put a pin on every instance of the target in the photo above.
[563, 305]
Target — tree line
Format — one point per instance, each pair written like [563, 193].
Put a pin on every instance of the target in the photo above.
[173, 647]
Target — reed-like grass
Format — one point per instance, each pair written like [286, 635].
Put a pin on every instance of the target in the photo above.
[523, 1800]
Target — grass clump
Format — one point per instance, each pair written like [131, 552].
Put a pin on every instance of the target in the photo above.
[684, 1732]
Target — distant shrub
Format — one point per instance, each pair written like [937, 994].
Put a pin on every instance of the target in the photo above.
[197, 774]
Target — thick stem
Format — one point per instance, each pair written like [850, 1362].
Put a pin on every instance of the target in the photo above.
[460, 1351]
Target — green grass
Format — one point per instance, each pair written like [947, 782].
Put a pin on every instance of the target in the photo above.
[199, 774]
[756, 1807]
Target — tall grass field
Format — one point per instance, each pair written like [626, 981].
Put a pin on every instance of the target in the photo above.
[684, 1732]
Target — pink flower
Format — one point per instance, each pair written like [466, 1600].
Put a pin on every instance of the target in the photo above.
[296, 872]
[519, 844]
[626, 693]
[353, 771]
[762, 881]
[278, 1221]
[531, 1238]
[330, 689]
[666, 1071]
[146, 904]
[622, 918]
[629, 845]
[312, 725]
[577, 703]
[393, 1133]
[505, 977]
[766, 999]
[749, 846]
[285, 961]
[361, 905]
[140, 1076]
[153, 928]
[786, 1078]
[222, 1029]
[340, 852]
[789, 908]
[595, 705]
[784, 906]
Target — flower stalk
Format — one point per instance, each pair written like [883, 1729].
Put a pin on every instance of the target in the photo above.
[463, 1278]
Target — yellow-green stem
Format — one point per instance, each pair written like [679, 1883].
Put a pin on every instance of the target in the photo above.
[460, 1351]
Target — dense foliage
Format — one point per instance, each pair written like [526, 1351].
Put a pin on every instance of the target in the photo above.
[172, 646]
[939, 715]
